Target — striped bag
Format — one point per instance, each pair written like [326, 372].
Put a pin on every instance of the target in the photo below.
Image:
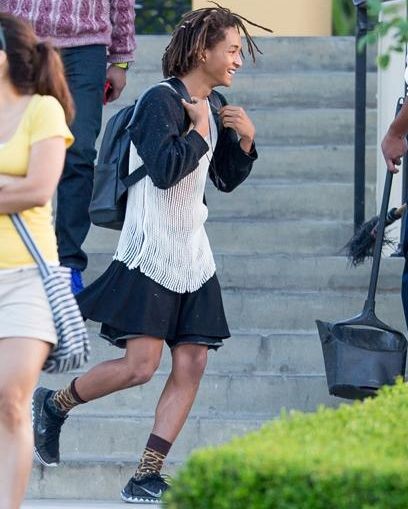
[72, 349]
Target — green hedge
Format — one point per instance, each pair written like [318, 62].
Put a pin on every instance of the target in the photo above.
[354, 457]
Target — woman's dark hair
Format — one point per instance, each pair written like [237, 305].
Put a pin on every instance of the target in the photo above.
[200, 30]
[34, 67]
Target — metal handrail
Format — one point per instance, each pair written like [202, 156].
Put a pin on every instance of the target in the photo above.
[360, 115]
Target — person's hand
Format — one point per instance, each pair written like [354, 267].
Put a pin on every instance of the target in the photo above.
[393, 148]
[117, 78]
[236, 118]
[198, 112]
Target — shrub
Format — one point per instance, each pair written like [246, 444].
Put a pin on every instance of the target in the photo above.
[343, 17]
[354, 457]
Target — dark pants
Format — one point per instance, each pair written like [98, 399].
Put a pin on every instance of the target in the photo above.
[85, 69]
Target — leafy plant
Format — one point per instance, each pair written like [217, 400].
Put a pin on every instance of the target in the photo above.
[159, 16]
[354, 457]
[343, 17]
[394, 24]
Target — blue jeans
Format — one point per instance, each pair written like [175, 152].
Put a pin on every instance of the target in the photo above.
[85, 70]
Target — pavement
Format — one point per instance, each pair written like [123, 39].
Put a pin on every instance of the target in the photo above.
[83, 504]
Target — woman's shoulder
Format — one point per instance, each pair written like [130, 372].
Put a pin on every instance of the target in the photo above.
[47, 119]
[46, 101]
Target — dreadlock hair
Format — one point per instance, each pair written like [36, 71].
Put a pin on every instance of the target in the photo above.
[200, 30]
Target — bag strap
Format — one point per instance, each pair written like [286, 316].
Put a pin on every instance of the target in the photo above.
[30, 244]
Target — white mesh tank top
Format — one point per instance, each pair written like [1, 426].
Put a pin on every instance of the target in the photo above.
[163, 232]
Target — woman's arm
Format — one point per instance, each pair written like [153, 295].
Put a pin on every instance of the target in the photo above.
[8, 179]
[37, 187]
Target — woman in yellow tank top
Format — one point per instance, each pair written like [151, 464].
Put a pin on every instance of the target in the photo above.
[35, 106]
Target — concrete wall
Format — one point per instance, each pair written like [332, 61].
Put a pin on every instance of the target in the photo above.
[284, 17]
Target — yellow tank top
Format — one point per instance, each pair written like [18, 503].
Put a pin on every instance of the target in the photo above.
[43, 118]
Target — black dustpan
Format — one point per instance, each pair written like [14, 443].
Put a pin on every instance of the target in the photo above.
[363, 353]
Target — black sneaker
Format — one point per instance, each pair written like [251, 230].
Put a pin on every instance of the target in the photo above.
[147, 489]
[47, 429]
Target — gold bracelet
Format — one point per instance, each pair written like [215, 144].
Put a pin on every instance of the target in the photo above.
[122, 65]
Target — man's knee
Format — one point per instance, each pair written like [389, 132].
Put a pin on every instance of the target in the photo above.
[191, 361]
[13, 411]
[140, 373]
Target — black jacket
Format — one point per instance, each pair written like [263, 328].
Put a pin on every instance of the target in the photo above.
[158, 132]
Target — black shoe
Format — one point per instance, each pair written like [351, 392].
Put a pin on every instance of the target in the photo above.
[47, 429]
[147, 489]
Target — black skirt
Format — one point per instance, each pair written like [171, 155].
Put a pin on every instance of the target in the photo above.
[128, 304]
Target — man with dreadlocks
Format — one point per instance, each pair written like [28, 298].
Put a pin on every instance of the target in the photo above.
[161, 285]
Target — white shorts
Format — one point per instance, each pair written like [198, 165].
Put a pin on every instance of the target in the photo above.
[24, 308]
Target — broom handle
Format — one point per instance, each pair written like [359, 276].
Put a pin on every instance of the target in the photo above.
[370, 302]
[369, 306]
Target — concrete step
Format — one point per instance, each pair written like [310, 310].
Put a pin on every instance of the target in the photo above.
[274, 353]
[221, 395]
[279, 54]
[258, 198]
[255, 237]
[306, 126]
[81, 479]
[308, 88]
[265, 312]
[331, 126]
[114, 437]
[80, 504]
[297, 311]
[324, 163]
[304, 273]
[287, 272]
[124, 437]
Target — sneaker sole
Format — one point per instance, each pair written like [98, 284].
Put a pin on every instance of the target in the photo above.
[36, 453]
[137, 500]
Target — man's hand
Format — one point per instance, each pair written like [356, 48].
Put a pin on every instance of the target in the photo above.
[393, 148]
[117, 78]
[198, 112]
[236, 118]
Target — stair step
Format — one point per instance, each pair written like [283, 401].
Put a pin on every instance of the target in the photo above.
[85, 478]
[324, 163]
[310, 88]
[220, 396]
[83, 504]
[244, 353]
[112, 437]
[279, 54]
[283, 126]
[297, 311]
[306, 126]
[286, 272]
[255, 237]
[258, 199]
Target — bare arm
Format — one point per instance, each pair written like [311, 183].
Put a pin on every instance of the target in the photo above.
[394, 144]
[37, 187]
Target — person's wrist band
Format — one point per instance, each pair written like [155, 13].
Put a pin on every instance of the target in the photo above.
[122, 65]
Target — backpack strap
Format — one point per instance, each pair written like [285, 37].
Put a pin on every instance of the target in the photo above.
[135, 176]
